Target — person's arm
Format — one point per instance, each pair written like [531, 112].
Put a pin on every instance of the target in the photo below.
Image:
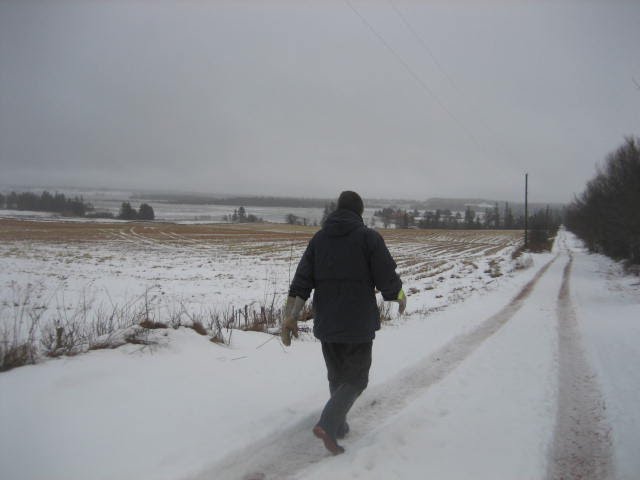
[299, 292]
[383, 268]
[303, 280]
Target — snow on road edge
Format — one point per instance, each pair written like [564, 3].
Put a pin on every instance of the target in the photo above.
[295, 449]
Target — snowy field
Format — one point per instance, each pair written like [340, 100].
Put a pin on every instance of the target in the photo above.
[68, 266]
[495, 372]
[168, 211]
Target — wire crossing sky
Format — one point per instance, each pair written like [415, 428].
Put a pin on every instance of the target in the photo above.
[469, 104]
[414, 75]
[391, 98]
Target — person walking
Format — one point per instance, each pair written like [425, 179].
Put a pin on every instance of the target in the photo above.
[344, 263]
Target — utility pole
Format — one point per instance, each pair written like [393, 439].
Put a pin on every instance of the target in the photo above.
[526, 210]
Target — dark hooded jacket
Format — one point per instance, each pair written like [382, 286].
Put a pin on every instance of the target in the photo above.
[344, 262]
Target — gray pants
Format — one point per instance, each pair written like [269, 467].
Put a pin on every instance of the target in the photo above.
[348, 367]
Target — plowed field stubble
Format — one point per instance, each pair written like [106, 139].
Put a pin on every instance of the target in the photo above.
[58, 266]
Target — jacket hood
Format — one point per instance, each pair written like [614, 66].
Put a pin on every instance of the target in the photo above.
[342, 222]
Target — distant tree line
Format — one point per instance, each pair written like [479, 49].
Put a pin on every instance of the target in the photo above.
[76, 206]
[240, 215]
[270, 201]
[46, 202]
[292, 219]
[607, 213]
[258, 201]
[329, 208]
[490, 218]
[543, 224]
[145, 212]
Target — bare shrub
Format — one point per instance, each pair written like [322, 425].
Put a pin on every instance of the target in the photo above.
[252, 318]
[150, 324]
[517, 252]
[108, 324]
[105, 322]
[58, 339]
[108, 343]
[69, 332]
[195, 320]
[494, 268]
[215, 327]
[16, 356]
[260, 320]
[198, 328]
[255, 327]
[86, 325]
[175, 313]
[20, 327]
[138, 336]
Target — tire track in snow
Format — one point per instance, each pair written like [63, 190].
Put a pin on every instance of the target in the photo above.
[282, 454]
[581, 446]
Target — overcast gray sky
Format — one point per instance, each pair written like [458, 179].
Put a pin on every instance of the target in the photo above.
[392, 98]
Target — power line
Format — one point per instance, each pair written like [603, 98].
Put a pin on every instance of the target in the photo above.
[414, 75]
[423, 43]
[429, 51]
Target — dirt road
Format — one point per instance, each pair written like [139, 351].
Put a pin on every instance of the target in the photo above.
[580, 447]
[581, 443]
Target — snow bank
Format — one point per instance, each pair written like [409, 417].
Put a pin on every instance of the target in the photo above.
[182, 408]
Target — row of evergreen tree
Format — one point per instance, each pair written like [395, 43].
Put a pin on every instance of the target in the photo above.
[76, 206]
[542, 225]
[607, 213]
[127, 212]
[492, 218]
[240, 215]
[46, 202]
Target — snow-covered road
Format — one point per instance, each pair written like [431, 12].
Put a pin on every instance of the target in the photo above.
[380, 405]
[513, 397]
[582, 444]
[483, 389]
